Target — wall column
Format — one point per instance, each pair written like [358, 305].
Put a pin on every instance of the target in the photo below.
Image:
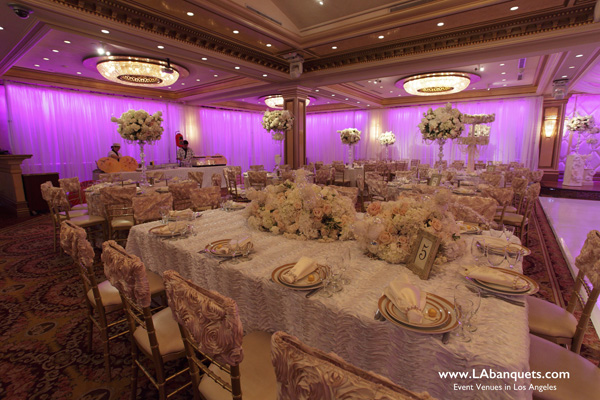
[294, 100]
[551, 137]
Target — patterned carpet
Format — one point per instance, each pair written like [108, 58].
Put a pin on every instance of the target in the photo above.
[42, 331]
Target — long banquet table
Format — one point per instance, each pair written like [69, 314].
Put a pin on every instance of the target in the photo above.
[180, 172]
[344, 323]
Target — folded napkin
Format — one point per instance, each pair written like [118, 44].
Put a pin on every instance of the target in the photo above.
[187, 213]
[165, 230]
[493, 275]
[303, 267]
[244, 244]
[407, 298]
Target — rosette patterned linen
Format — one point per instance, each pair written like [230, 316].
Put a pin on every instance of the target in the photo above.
[197, 176]
[58, 198]
[181, 194]
[484, 206]
[588, 260]
[127, 273]
[147, 208]
[503, 196]
[536, 176]
[307, 373]
[211, 319]
[216, 180]
[70, 185]
[492, 178]
[205, 198]
[73, 240]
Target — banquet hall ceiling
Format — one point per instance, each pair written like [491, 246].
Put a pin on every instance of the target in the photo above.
[354, 51]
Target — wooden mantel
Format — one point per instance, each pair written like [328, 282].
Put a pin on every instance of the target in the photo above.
[11, 183]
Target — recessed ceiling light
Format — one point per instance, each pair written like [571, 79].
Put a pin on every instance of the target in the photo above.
[46, 59]
[1, 28]
[358, 102]
[440, 24]
[320, 2]
[169, 87]
[237, 67]
[579, 55]
[346, 98]
[504, 84]
[481, 68]
[502, 65]
[182, 83]
[236, 31]
[391, 91]
[105, 31]
[67, 42]
[36, 65]
[334, 47]
[564, 76]
[269, 45]
[100, 50]
[380, 87]
[316, 90]
[190, 14]
[216, 76]
[265, 75]
[55, 51]
[160, 47]
[78, 73]
[108, 53]
[503, 80]
[504, 73]
[333, 95]
[204, 58]
[197, 80]
[515, 8]
[399, 95]
[368, 105]
[571, 67]
[380, 37]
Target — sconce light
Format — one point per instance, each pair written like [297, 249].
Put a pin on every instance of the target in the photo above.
[549, 126]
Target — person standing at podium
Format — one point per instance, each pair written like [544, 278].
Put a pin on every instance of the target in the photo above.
[114, 151]
[185, 154]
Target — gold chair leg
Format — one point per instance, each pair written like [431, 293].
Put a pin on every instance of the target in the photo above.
[134, 372]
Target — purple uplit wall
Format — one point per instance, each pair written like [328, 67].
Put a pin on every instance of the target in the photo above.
[583, 104]
[513, 134]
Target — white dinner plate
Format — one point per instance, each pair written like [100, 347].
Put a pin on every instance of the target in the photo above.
[318, 276]
[444, 306]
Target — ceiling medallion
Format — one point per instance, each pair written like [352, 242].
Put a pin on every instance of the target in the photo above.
[276, 101]
[437, 83]
[137, 71]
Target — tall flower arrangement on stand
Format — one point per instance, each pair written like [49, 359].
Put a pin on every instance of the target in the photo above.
[140, 127]
[442, 124]
[277, 123]
[582, 124]
[387, 139]
[350, 136]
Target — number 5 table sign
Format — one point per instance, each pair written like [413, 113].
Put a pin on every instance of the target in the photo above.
[423, 254]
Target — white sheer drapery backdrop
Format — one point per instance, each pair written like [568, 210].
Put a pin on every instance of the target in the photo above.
[513, 136]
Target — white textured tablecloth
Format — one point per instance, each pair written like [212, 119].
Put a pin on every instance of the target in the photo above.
[344, 323]
[181, 173]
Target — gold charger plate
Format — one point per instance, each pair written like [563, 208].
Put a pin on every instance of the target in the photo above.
[444, 305]
[533, 287]
[156, 232]
[440, 317]
[302, 284]
[500, 243]
[212, 248]
[467, 229]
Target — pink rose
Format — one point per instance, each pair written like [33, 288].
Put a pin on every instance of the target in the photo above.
[374, 208]
[384, 238]
[436, 224]
[326, 209]
[318, 213]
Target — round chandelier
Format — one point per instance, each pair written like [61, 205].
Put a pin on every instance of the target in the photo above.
[276, 101]
[437, 83]
[137, 71]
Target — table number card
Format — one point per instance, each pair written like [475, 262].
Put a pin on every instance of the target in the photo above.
[435, 180]
[423, 254]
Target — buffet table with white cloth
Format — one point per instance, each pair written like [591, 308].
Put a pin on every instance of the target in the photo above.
[344, 323]
[181, 173]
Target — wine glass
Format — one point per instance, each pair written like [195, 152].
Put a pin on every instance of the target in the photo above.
[513, 257]
[463, 308]
[334, 261]
[495, 255]
[164, 215]
[476, 299]
[346, 262]
[497, 233]
[509, 231]
[478, 248]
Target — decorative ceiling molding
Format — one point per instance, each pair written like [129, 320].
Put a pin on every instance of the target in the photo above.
[121, 12]
[33, 36]
[548, 22]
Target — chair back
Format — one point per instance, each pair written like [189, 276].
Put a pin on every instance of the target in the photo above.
[441, 165]
[71, 185]
[349, 192]
[259, 167]
[536, 176]
[492, 178]
[318, 165]
[147, 208]
[216, 180]
[588, 263]
[323, 176]
[402, 166]
[483, 207]
[155, 176]
[181, 194]
[480, 165]
[522, 172]
[205, 198]
[288, 175]
[257, 179]
[198, 311]
[230, 181]
[377, 188]
[57, 201]
[117, 201]
[414, 162]
[326, 374]
[197, 176]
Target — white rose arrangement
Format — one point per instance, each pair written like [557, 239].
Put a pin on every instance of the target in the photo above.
[387, 138]
[582, 124]
[139, 126]
[442, 123]
[478, 118]
[482, 130]
[277, 122]
[349, 135]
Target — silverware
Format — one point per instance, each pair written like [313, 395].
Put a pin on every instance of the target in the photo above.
[312, 292]
[485, 294]
[445, 337]
[378, 316]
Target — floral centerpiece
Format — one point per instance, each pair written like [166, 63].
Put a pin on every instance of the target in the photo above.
[582, 123]
[277, 122]
[301, 211]
[389, 230]
[141, 127]
[387, 138]
[481, 130]
[478, 118]
[441, 124]
[350, 136]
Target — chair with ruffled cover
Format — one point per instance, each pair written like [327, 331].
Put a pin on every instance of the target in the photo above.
[155, 176]
[550, 324]
[48, 195]
[60, 211]
[480, 165]
[536, 176]
[205, 198]
[414, 162]
[323, 176]
[521, 220]
[102, 299]
[147, 208]
[377, 188]
[216, 180]
[305, 372]
[522, 172]
[503, 196]
[492, 178]
[197, 176]
[441, 164]
[370, 167]
[155, 336]
[318, 165]
[423, 171]
[240, 365]
[72, 186]
[473, 209]
[508, 178]
[235, 190]
[519, 186]
[402, 165]
[288, 175]
[181, 194]
[257, 179]
[349, 192]
[117, 203]
[258, 167]
[339, 174]
[458, 165]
